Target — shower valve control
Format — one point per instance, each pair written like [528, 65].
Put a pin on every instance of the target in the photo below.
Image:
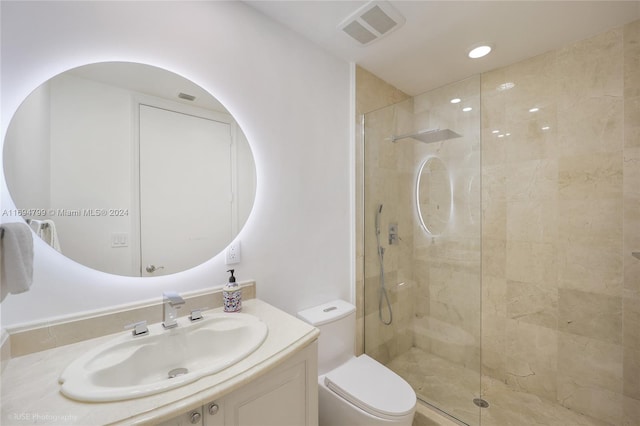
[393, 234]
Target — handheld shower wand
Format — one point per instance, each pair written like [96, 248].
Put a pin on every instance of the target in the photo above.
[380, 248]
[382, 291]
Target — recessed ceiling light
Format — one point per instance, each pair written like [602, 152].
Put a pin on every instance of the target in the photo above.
[546, 128]
[495, 131]
[535, 109]
[479, 51]
[455, 100]
[467, 109]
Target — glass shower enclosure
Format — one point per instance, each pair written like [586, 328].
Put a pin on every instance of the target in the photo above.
[422, 244]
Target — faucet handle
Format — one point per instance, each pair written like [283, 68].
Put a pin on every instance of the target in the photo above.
[139, 328]
[196, 314]
[173, 298]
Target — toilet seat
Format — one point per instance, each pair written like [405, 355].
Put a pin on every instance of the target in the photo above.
[372, 387]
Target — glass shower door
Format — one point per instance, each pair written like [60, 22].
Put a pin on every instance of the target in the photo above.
[422, 244]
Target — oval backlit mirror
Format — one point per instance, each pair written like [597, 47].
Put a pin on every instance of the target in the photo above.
[136, 170]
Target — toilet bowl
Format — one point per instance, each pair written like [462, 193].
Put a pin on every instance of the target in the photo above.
[354, 391]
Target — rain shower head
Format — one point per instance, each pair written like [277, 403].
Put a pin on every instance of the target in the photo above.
[429, 136]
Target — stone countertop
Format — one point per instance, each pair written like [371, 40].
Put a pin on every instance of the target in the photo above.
[30, 392]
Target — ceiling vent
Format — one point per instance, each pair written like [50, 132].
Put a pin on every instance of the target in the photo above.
[371, 22]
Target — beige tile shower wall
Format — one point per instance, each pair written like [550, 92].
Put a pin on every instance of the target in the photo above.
[561, 215]
[631, 224]
[389, 178]
[433, 281]
[372, 93]
[447, 320]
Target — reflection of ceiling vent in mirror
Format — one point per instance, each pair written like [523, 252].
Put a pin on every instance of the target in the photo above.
[371, 22]
[186, 96]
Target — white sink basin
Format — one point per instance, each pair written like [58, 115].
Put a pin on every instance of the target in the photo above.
[131, 367]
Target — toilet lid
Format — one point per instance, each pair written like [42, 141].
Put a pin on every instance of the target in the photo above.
[372, 387]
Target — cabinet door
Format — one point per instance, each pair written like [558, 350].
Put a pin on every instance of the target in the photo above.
[193, 417]
[214, 413]
[278, 401]
[286, 396]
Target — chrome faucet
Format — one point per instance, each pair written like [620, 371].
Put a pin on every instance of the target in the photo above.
[171, 303]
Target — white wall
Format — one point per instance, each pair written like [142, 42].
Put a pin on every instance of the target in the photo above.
[90, 169]
[290, 98]
[29, 184]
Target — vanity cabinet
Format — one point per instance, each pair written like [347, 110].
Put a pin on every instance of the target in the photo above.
[286, 396]
[193, 417]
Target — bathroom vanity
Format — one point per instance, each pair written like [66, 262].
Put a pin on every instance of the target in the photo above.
[274, 385]
[278, 398]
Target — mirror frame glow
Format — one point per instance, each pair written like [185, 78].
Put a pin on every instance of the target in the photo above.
[138, 93]
[421, 217]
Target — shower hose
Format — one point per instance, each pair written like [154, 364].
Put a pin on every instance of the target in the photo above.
[382, 290]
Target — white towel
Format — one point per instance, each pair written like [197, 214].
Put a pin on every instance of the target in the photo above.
[16, 259]
[49, 234]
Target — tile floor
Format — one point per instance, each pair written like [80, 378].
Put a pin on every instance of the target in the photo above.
[452, 388]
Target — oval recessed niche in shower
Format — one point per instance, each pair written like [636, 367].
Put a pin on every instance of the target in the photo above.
[433, 195]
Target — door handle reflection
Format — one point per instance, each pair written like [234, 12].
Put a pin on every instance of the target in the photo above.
[152, 268]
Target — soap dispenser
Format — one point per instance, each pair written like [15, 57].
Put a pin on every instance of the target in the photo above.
[232, 295]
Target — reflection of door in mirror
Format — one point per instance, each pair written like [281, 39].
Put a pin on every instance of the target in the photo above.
[199, 150]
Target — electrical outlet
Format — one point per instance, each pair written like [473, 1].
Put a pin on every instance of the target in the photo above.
[233, 253]
[119, 239]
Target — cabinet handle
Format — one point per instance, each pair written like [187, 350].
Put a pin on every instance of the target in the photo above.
[213, 409]
[195, 417]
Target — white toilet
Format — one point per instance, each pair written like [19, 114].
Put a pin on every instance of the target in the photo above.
[354, 391]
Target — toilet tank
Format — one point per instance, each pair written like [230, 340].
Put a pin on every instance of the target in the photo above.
[337, 323]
